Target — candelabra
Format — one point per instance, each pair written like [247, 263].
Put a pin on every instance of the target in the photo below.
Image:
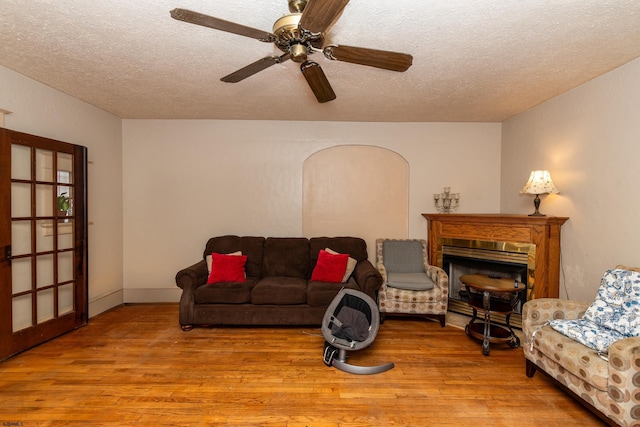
[446, 202]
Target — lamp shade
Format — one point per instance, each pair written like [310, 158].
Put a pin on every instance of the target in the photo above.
[539, 183]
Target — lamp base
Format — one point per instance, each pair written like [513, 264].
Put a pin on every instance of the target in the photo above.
[536, 204]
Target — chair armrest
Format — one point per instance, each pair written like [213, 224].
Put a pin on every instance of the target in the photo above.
[368, 278]
[383, 272]
[193, 276]
[438, 276]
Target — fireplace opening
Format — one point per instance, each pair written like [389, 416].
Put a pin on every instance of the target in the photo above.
[457, 266]
[503, 259]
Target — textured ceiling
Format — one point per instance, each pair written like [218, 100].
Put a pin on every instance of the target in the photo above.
[473, 60]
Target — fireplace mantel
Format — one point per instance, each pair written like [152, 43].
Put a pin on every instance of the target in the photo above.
[541, 231]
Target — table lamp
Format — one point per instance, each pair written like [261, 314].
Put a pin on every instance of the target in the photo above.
[539, 183]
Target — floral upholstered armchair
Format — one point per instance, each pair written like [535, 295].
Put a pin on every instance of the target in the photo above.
[410, 286]
[591, 350]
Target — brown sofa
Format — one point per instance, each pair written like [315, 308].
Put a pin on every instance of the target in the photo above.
[278, 289]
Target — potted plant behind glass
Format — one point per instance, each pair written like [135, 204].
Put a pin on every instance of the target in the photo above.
[64, 203]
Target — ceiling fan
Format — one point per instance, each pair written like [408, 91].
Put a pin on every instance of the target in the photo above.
[300, 34]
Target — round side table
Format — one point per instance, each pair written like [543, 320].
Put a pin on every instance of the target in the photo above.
[492, 286]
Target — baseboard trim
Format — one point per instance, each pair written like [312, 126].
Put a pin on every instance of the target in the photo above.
[151, 295]
[105, 302]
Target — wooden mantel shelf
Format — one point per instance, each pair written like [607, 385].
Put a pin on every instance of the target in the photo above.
[542, 231]
[508, 219]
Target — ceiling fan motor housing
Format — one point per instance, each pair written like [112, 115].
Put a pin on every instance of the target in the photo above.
[292, 39]
[297, 5]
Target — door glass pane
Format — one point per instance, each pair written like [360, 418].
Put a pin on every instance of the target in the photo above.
[65, 168]
[44, 302]
[21, 313]
[20, 162]
[44, 165]
[65, 299]
[44, 200]
[20, 237]
[20, 200]
[44, 271]
[20, 275]
[65, 266]
[65, 234]
[44, 238]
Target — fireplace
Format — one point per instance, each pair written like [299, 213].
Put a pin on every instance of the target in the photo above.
[515, 246]
[502, 259]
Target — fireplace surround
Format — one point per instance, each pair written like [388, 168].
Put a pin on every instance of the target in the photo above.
[521, 247]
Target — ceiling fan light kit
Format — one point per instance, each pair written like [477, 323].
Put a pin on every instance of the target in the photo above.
[299, 35]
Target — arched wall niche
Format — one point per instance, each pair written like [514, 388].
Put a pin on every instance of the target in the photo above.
[356, 190]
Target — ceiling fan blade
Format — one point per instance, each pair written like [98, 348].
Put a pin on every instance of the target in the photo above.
[317, 81]
[393, 61]
[256, 67]
[318, 15]
[220, 24]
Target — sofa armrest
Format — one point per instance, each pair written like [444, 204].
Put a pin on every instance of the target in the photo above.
[540, 310]
[193, 276]
[537, 312]
[368, 278]
[624, 371]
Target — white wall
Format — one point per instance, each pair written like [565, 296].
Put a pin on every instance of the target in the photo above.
[186, 181]
[354, 171]
[40, 110]
[589, 139]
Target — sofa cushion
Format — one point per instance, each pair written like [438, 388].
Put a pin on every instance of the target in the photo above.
[225, 293]
[279, 290]
[227, 268]
[330, 268]
[354, 246]
[565, 354]
[351, 265]
[208, 258]
[250, 246]
[322, 293]
[286, 256]
[587, 333]
[617, 305]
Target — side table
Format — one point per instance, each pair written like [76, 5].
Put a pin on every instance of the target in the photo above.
[490, 286]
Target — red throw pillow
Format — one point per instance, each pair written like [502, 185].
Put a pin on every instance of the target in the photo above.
[227, 268]
[330, 268]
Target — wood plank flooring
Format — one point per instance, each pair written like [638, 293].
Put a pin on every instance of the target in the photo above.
[135, 366]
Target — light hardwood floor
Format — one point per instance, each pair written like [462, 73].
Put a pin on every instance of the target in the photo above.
[135, 366]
